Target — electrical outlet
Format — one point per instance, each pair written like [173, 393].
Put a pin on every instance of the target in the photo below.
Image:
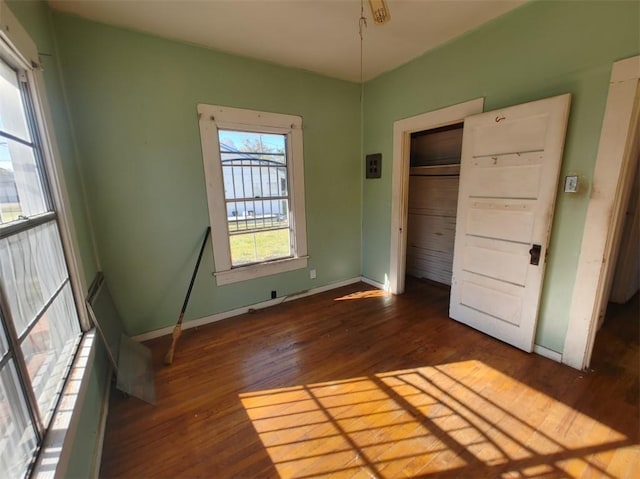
[312, 274]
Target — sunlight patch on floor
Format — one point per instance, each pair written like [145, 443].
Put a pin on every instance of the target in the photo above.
[463, 418]
[374, 293]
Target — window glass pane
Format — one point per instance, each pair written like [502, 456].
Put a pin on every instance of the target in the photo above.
[33, 268]
[259, 246]
[21, 191]
[257, 215]
[254, 165]
[250, 145]
[253, 179]
[48, 350]
[254, 171]
[12, 119]
[17, 435]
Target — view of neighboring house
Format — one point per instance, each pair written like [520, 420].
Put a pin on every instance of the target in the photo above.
[250, 180]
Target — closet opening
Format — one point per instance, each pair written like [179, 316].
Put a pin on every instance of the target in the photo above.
[434, 174]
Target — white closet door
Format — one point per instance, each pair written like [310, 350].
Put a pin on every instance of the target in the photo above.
[508, 181]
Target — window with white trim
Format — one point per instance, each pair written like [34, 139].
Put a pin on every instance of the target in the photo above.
[39, 324]
[254, 173]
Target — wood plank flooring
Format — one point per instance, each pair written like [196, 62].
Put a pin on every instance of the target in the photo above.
[352, 383]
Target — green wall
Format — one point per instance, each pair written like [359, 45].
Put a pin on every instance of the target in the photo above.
[132, 160]
[133, 102]
[35, 17]
[538, 50]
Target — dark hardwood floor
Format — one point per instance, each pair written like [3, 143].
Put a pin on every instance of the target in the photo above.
[353, 383]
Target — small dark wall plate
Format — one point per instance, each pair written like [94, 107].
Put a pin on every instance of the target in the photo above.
[373, 165]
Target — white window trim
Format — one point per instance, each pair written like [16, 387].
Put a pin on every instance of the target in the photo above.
[402, 130]
[54, 452]
[213, 118]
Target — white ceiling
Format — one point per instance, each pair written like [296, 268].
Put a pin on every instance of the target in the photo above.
[315, 35]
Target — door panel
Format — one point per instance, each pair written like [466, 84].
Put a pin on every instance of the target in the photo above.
[499, 219]
[503, 134]
[508, 182]
[507, 176]
[485, 298]
[500, 265]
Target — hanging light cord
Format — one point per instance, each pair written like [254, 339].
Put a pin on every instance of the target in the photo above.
[362, 23]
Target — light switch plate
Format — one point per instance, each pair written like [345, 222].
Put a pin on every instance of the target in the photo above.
[374, 165]
[571, 184]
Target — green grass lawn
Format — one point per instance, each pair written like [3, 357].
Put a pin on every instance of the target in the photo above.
[260, 246]
[9, 212]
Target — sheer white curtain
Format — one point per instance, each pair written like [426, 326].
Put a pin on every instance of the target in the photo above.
[17, 438]
[36, 286]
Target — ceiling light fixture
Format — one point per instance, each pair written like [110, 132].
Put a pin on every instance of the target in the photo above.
[380, 11]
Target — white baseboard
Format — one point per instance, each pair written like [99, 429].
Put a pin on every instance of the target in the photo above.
[547, 353]
[245, 309]
[373, 283]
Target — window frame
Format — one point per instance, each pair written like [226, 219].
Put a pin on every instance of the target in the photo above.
[19, 51]
[213, 118]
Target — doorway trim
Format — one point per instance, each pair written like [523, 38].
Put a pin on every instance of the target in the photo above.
[402, 130]
[611, 183]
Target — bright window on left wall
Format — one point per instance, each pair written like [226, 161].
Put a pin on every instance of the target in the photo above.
[40, 328]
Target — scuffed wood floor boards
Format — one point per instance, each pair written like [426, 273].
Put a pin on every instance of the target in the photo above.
[351, 383]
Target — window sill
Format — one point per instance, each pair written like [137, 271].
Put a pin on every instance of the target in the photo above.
[245, 273]
[54, 454]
